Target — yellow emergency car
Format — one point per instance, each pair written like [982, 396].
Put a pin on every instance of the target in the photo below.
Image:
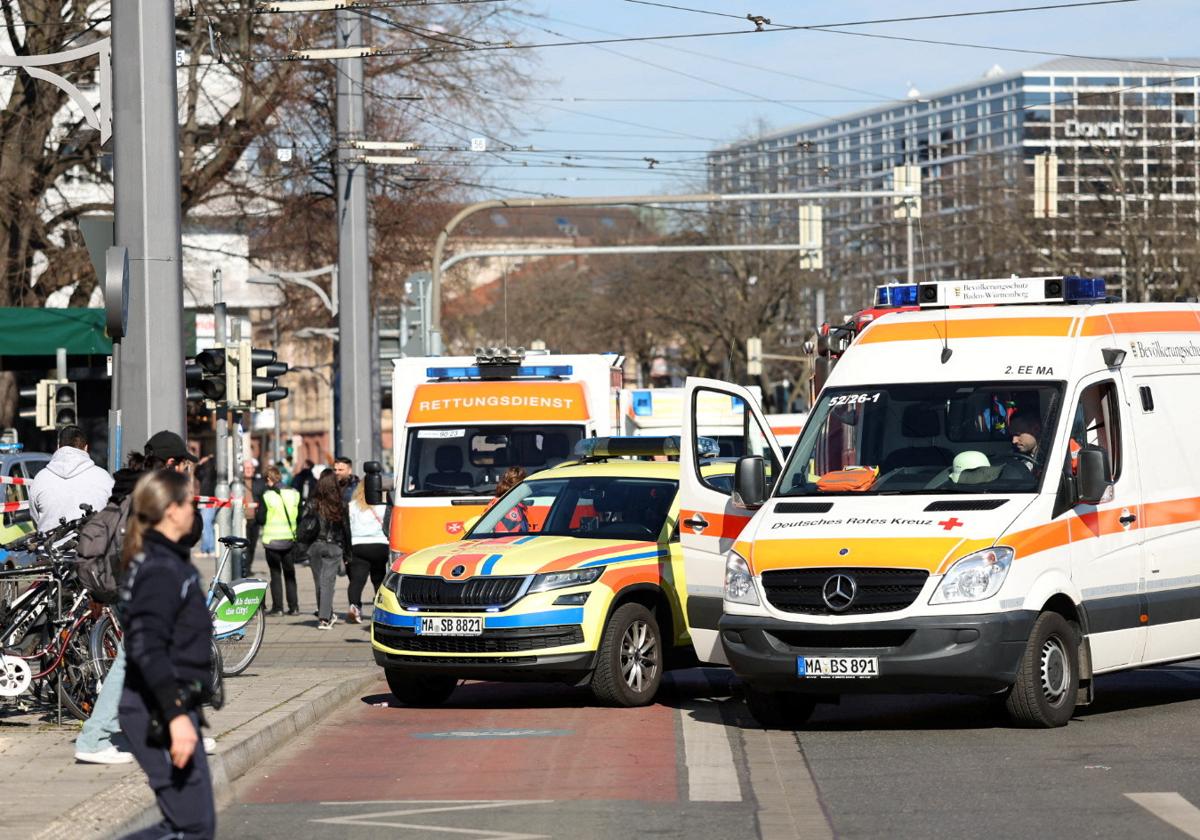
[575, 574]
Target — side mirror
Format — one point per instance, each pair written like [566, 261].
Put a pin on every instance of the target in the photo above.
[17, 517]
[749, 483]
[1092, 481]
[373, 482]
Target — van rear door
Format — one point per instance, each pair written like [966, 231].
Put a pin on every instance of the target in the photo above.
[709, 522]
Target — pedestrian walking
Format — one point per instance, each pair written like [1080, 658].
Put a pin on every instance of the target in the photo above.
[324, 533]
[255, 485]
[69, 480]
[206, 485]
[343, 468]
[168, 634]
[369, 527]
[278, 516]
[304, 481]
[101, 539]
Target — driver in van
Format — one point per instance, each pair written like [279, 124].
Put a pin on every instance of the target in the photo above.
[1026, 430]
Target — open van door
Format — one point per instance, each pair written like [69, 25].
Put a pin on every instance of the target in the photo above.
[709, 522]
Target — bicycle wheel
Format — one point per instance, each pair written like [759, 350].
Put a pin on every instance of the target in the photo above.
[105, 642]
[80, 678]
[218, 684]
[239, 648]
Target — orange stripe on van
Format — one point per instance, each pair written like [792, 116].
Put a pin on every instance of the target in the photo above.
[726, 526]
[882, 331]
[1142, 322]
[929, 553]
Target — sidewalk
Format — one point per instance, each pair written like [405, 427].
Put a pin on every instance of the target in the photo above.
[299, 675]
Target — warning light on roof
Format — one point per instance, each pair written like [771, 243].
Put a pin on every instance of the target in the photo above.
[896, 294]
[641, 447]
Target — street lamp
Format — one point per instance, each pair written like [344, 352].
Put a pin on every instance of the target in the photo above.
[304, 278]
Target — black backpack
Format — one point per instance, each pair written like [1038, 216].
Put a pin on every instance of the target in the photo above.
[99, 551]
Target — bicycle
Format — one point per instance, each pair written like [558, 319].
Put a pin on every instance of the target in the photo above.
[233, 607]
[37, 642]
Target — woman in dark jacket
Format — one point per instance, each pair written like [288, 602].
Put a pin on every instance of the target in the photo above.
[168, 636]
[326, 533]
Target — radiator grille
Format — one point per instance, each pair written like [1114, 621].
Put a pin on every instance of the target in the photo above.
[878, 590]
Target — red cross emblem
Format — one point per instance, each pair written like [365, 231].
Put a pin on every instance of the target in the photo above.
[454, 527]
[951, 523]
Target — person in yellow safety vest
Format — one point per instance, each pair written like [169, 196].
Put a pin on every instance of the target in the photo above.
[278, 514]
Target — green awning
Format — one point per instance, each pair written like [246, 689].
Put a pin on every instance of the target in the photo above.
[39, 332]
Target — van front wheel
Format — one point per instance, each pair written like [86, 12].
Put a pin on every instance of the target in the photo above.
[1047, 683]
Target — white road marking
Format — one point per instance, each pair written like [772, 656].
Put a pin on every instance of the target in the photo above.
[1172, 809]
[712, 776]
[384, 818]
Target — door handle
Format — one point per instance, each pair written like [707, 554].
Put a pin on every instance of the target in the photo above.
[1128, 519]
[697, 523]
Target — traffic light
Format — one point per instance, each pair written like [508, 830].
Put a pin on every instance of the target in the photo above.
[66, 404]
[206, 376]
[42, 410]
[260, 381]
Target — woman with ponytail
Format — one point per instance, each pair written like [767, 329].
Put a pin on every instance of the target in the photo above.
[168, 635]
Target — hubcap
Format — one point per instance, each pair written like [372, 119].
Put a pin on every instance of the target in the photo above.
[1056, 671]
[639, 656]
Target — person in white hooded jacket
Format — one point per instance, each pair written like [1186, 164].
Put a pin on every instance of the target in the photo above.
[69, 480]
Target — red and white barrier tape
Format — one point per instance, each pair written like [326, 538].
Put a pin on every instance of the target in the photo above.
[12, 479]
[217, 502]
[9, 507]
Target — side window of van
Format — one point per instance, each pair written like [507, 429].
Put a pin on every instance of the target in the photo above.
[1097, 423]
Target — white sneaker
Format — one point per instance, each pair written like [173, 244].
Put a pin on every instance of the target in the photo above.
[333, 619]
[324, 625]
[108, 755]
[210, 744]
[354, 615]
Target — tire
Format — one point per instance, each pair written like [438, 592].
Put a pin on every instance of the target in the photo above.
[629, 663]
[217, 700]
[1043, 697]
[779, 710]
[420, 689]
[239, 649]
[105, 641]
[77, 678]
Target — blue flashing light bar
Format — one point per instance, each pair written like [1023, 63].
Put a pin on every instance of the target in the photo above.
[530, 371]
[1084, 290]
[643, 404]
[11, 447]
[641, 447]
[896, 294]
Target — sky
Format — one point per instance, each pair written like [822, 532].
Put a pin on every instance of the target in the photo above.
[698, 93]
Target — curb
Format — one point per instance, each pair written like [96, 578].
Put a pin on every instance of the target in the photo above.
[129, 804]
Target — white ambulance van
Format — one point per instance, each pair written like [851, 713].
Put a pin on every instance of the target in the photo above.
[994, 495]
[462, 421]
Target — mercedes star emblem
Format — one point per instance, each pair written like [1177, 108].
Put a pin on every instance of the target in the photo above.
[458, 570]
[839, 591]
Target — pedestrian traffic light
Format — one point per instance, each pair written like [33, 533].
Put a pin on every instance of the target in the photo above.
[41, 411]
[66, 404]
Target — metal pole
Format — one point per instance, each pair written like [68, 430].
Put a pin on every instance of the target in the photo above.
[60, 362]
[433, 344]
[115, 442]
[355, 440]
[146, 186]
[221, 523]
[277, 444]
[908, 227]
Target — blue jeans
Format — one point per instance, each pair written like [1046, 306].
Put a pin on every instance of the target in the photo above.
[208, 536]
[98, 730]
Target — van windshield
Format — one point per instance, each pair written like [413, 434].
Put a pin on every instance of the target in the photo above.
[469, 460]
[926, 438]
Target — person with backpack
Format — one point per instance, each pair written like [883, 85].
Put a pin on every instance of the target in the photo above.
[98, 552]
[70, 479]
[324, 534]
[369, 525]
[277, 515]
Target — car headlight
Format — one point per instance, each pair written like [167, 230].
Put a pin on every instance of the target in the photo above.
[572, 577]
[739, 583]
[974, 577]
[391, 581]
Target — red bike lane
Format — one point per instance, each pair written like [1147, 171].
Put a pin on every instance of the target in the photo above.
[490, 742]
